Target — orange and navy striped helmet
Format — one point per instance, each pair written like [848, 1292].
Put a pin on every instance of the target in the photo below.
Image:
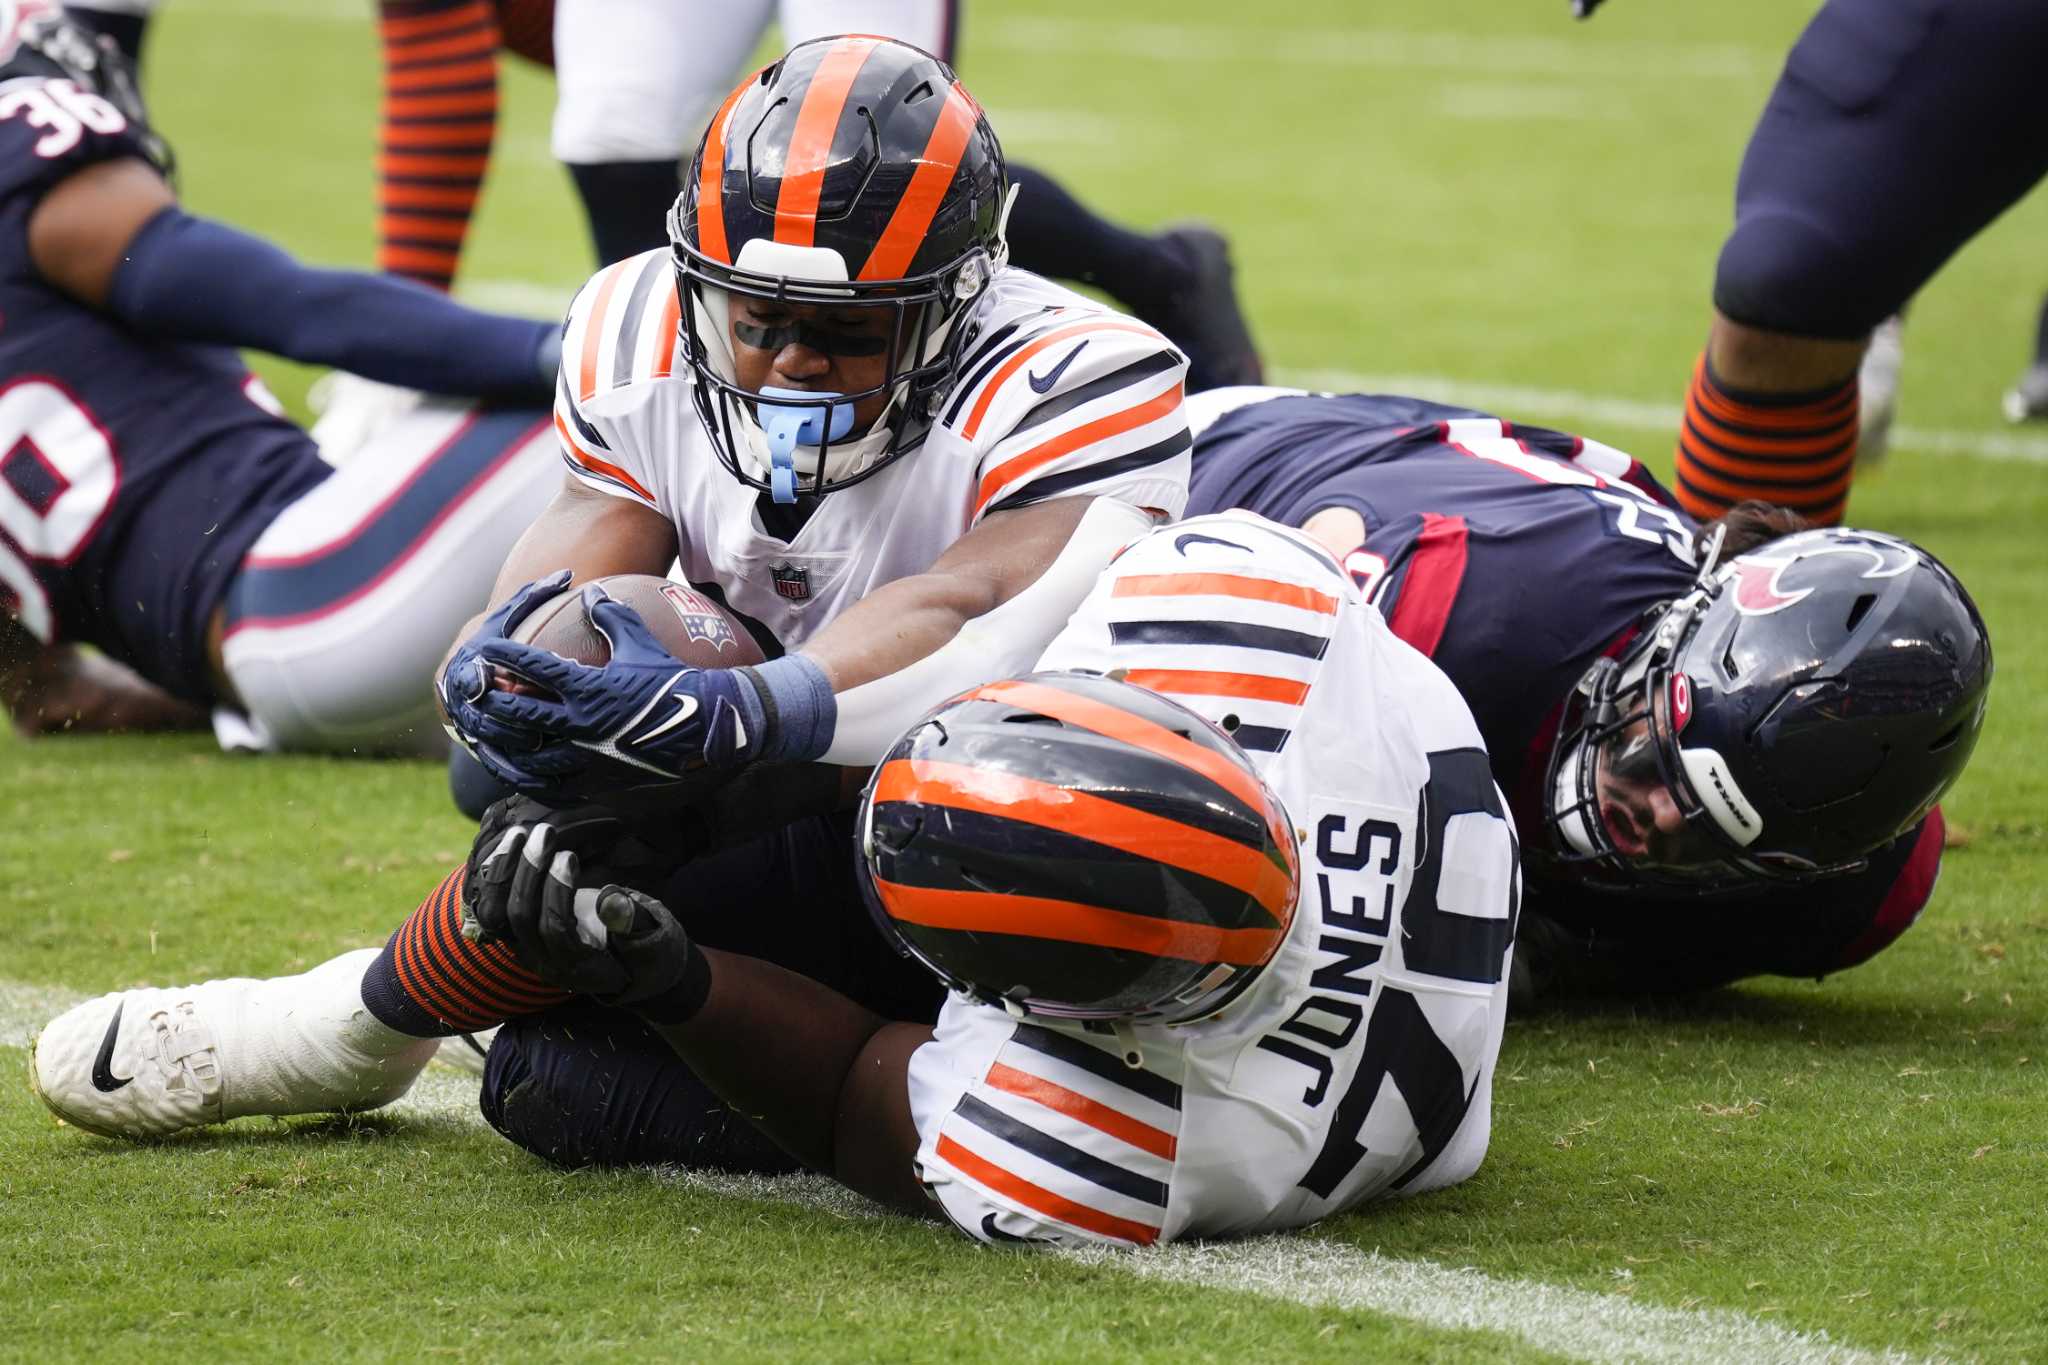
[1068, 845]
[855, 172]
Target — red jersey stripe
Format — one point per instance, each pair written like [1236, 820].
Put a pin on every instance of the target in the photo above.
[1429, 587]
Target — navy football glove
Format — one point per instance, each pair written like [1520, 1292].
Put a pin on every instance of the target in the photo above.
[643, 707]
[466, 677]
[620, 946]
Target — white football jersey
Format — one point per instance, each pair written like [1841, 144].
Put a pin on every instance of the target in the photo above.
[1360, 1063]
[1057, 397]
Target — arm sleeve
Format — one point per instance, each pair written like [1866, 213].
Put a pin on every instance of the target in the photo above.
[191, 279]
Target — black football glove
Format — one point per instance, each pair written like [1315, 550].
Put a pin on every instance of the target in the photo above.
[616, 944]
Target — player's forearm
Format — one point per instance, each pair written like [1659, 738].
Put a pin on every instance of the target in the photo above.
[820, 1074]
[196, 280]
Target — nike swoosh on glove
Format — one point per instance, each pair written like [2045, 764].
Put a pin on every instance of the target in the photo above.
[642, 707]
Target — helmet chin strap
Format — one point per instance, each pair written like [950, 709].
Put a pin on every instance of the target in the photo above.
[787, 426]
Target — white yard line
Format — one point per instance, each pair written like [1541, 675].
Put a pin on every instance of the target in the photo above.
[1303, 1270]
[1513, 401]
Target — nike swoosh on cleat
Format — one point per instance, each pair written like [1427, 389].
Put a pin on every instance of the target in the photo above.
[103, 1078]
[1044, 383]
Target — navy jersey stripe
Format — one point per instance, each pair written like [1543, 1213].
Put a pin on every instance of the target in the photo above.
[1234, 634]
[565, 403]
[1061, 404]
[636, 318]
[1096, 1062]
[1067, 1157]
[973, 381]
[1054, 485]
[1264, 739]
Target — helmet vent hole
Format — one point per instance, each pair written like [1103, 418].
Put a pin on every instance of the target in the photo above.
[1728, 664]
[923, 92]
[1948, 736]
[1231, 722]
[1860, 609]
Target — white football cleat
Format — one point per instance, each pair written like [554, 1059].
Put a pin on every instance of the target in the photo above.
[147, 1063]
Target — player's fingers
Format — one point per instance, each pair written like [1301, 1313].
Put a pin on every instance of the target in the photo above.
[483, 910]
[520, 605]
[523, 901]
[624, 628]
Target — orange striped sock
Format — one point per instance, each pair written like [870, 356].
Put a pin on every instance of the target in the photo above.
[1795, 449]
[439, 116]
[431, 982]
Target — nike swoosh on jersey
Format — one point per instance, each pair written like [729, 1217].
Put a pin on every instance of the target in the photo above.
[1044, 383]
[996, 1234]
[1181, 542]
[103, 1078]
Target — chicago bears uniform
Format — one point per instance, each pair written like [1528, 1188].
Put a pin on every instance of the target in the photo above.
[1360, 1062]
[138, 474]
[1057, 397]
[1515, 557]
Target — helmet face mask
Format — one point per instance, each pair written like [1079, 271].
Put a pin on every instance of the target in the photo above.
[855, 176]
[1071, 847]
[1805, 704]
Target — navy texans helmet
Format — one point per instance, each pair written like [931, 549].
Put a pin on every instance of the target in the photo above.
[1806, 704]
[38, 39]
[855, 173]
[1068, 845]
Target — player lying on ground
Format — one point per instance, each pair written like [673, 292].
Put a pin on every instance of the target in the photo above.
[912, 475]
[1202, 988]
[154, 501]
[1831, 683]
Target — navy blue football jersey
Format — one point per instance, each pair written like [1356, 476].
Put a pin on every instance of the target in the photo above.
[1515, 557]
[134, 474]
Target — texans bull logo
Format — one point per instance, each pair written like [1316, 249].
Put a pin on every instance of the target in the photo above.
[1761, 578]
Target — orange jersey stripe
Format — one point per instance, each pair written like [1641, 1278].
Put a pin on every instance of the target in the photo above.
[810, 143]
[1224, 585]
[1198, 683]
[711, 181]
[1023, 357]
[667, 327]
[593, 333]
[1090, 714]
[993, 912]
[960, 787]
[1044, 1201]
[897, 247]
[593, 463]
[1098, 1116]
[1101, 429]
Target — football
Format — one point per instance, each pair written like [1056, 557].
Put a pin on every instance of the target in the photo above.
[689, 625]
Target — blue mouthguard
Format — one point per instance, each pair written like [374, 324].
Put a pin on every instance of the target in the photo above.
[787, 426]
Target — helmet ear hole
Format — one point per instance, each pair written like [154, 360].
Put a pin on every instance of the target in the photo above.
[1949, 736]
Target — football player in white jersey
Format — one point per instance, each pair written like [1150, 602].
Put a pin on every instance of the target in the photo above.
[902, 461]
[835, 404]
[1225, 896]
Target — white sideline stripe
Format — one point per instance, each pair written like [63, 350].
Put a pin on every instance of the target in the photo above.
[1570, 55]
[1512, 401]
[1296, 1269]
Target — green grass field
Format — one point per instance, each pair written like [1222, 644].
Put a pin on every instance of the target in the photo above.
[1479, 196]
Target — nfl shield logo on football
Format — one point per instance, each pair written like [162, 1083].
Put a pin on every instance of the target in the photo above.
[791, 581]
[701, 619]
